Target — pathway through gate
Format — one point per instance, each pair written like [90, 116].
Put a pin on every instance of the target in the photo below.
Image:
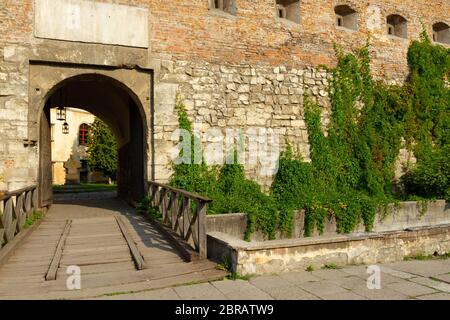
[116, 250]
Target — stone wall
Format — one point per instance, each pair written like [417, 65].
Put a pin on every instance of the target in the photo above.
[232, 71]
[220, 97]
[277, 256]
[406, 215]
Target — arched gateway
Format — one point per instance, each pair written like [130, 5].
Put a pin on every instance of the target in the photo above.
[120, 97]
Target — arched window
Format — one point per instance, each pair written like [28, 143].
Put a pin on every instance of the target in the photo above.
[397, 26]
[441, 32]
[83, 134]
[346, 17]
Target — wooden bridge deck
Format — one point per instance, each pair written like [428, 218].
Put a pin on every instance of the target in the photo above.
[96, 244]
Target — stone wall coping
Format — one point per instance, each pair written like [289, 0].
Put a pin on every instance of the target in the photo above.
[225, 215]
[239, 214]
[241, 245]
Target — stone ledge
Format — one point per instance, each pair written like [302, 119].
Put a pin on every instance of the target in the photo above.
[275, 256]
[406, 216]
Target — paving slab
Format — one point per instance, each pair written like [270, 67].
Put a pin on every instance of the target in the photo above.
[397, 273]
[241, 289]
[290, 293]
[297, 278]
[322, 288]
[379, 294]
[162, 294]
[387, 278]
[359, 271]
[349, 282]
[328, 274]
[426, 268]
[435, 296]
[270, 282]
[443, 278]
[203, 291]
[411, 289]
[344, 296]
[438, 285]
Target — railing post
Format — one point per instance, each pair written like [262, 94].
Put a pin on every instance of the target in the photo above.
[162, 203]
[186, 214]
[174, 210]
[201, 220]
[175, 206]
[153, 194]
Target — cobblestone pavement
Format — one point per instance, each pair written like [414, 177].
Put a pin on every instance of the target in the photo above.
[424, 280]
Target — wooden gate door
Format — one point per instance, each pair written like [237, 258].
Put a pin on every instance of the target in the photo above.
[45, 160]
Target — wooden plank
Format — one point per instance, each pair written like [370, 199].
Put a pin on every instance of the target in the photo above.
[137, 257]
[18, 241]
[51, 273]
[127, 266]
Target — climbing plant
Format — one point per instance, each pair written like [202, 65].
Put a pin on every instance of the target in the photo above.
[428, 120]
[226, 185]
[350, 175]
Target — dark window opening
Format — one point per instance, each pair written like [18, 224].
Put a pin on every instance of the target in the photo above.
[228, 6]
[397, 26]
[441, 33]
[83, 134]
[288, 9]
[346, 17]
[390, 30]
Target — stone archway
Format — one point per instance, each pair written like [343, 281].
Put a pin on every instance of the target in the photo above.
[117, 96]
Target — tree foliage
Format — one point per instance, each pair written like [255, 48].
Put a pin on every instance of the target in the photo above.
[102, 149]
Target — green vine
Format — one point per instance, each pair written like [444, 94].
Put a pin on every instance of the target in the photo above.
[351, 173]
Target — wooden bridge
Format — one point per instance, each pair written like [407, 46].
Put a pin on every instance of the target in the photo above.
[115, 249]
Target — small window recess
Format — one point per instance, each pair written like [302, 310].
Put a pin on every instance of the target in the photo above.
[397, 26]
[227, 6]
[346, 17]
[288, 10]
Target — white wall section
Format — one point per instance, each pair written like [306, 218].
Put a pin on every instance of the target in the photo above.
[91, 21]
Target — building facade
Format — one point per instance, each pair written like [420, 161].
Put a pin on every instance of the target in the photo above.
[69, 146]
[234, 64]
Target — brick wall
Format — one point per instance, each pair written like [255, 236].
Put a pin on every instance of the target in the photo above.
[250, 69]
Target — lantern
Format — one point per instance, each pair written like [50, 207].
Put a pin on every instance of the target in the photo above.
[65, 128]
[61, 113]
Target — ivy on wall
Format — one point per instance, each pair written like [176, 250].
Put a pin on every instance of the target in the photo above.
[226, 185]
[351, 173]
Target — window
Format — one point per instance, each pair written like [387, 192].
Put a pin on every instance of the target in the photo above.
[83, 134]
[441, 33]
[228, 6]
[288, 9]
[346, 17]
[397, 26]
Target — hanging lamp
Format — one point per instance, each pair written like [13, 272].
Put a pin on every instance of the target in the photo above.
[65, 128]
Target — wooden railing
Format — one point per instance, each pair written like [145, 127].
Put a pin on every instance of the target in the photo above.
[183, 212]
[15, 208]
